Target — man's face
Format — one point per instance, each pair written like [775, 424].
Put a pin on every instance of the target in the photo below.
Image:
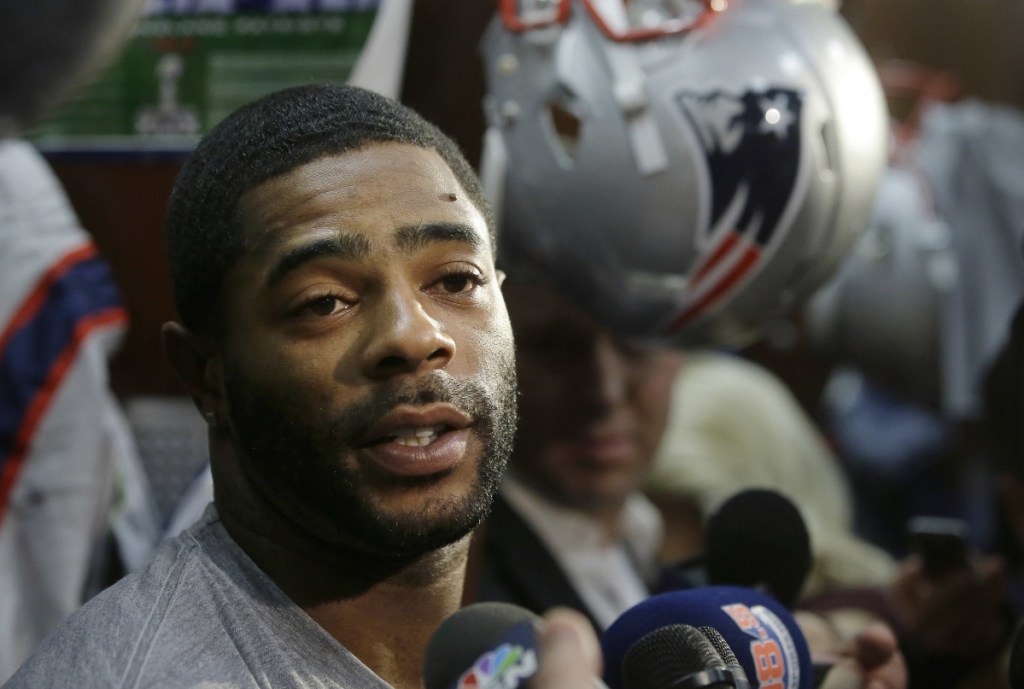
[592, 407]
[368, 364]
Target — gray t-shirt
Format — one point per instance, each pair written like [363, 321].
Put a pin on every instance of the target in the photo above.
[200, 614]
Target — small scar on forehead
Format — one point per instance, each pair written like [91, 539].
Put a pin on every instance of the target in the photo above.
[449, 196]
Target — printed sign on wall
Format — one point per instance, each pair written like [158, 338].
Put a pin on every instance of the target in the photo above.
[191, 62]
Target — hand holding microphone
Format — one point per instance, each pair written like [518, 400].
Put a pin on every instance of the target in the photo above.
[870, 659]
[757, 539]
[503, 646]
[570, 656]
[652, 646]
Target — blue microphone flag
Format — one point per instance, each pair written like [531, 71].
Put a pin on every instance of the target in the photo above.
[761, 632]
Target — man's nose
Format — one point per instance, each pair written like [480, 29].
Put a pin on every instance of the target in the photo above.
[608, 374]
[402, 337]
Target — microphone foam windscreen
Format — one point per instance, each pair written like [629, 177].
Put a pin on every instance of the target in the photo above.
[758, 539]
[761, 632]
[460, 641]
[660, 659]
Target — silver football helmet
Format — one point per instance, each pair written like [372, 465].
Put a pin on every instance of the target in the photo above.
[883, 309]
[687, 170]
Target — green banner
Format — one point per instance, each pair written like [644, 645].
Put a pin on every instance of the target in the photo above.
[181, 74]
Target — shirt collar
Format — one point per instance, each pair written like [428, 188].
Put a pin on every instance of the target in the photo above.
[564, 529]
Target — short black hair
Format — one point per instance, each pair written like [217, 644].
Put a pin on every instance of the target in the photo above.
[262, 140]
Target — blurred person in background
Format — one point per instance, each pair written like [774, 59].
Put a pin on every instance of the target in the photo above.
[911, 323]
[653, 196]
[570, 526]
[921, 306]
[617, 165]
[75, 510]
[918, 312]
[661, 170]
[735, 425]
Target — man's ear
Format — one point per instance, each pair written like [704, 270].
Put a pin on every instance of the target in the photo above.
[195, 360]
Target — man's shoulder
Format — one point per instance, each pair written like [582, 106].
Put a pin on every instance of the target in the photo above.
[201, 613]
[112, 635]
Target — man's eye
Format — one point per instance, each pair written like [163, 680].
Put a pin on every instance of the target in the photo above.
[460, 283]
[323, 306]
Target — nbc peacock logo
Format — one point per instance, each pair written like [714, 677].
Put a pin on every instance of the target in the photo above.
[506, 667]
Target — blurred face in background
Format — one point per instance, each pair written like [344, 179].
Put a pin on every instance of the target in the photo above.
[592, 406]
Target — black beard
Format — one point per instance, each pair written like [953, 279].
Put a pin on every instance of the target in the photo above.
[296, 456]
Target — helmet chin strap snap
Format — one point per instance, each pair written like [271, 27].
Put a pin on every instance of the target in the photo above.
[630, 90]
[628, 83]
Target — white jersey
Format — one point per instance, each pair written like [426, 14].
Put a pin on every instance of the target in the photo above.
[66, 454]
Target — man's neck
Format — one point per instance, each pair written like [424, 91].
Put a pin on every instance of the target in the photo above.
[389, 626]
[384, 610]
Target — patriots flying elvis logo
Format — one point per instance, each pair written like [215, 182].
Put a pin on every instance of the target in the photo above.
[752, 165]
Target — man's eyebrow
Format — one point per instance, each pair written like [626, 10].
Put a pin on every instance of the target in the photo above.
[414, 237]
[346, 246]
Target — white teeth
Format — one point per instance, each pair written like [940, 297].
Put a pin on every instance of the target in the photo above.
[417, 437]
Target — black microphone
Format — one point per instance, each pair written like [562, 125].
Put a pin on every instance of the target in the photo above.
[732, 663]
[676, 656]
[758, 539]
[480, 644]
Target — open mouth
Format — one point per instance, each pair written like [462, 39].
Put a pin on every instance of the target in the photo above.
[418, 441]
[418, 450]
[419, 436]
